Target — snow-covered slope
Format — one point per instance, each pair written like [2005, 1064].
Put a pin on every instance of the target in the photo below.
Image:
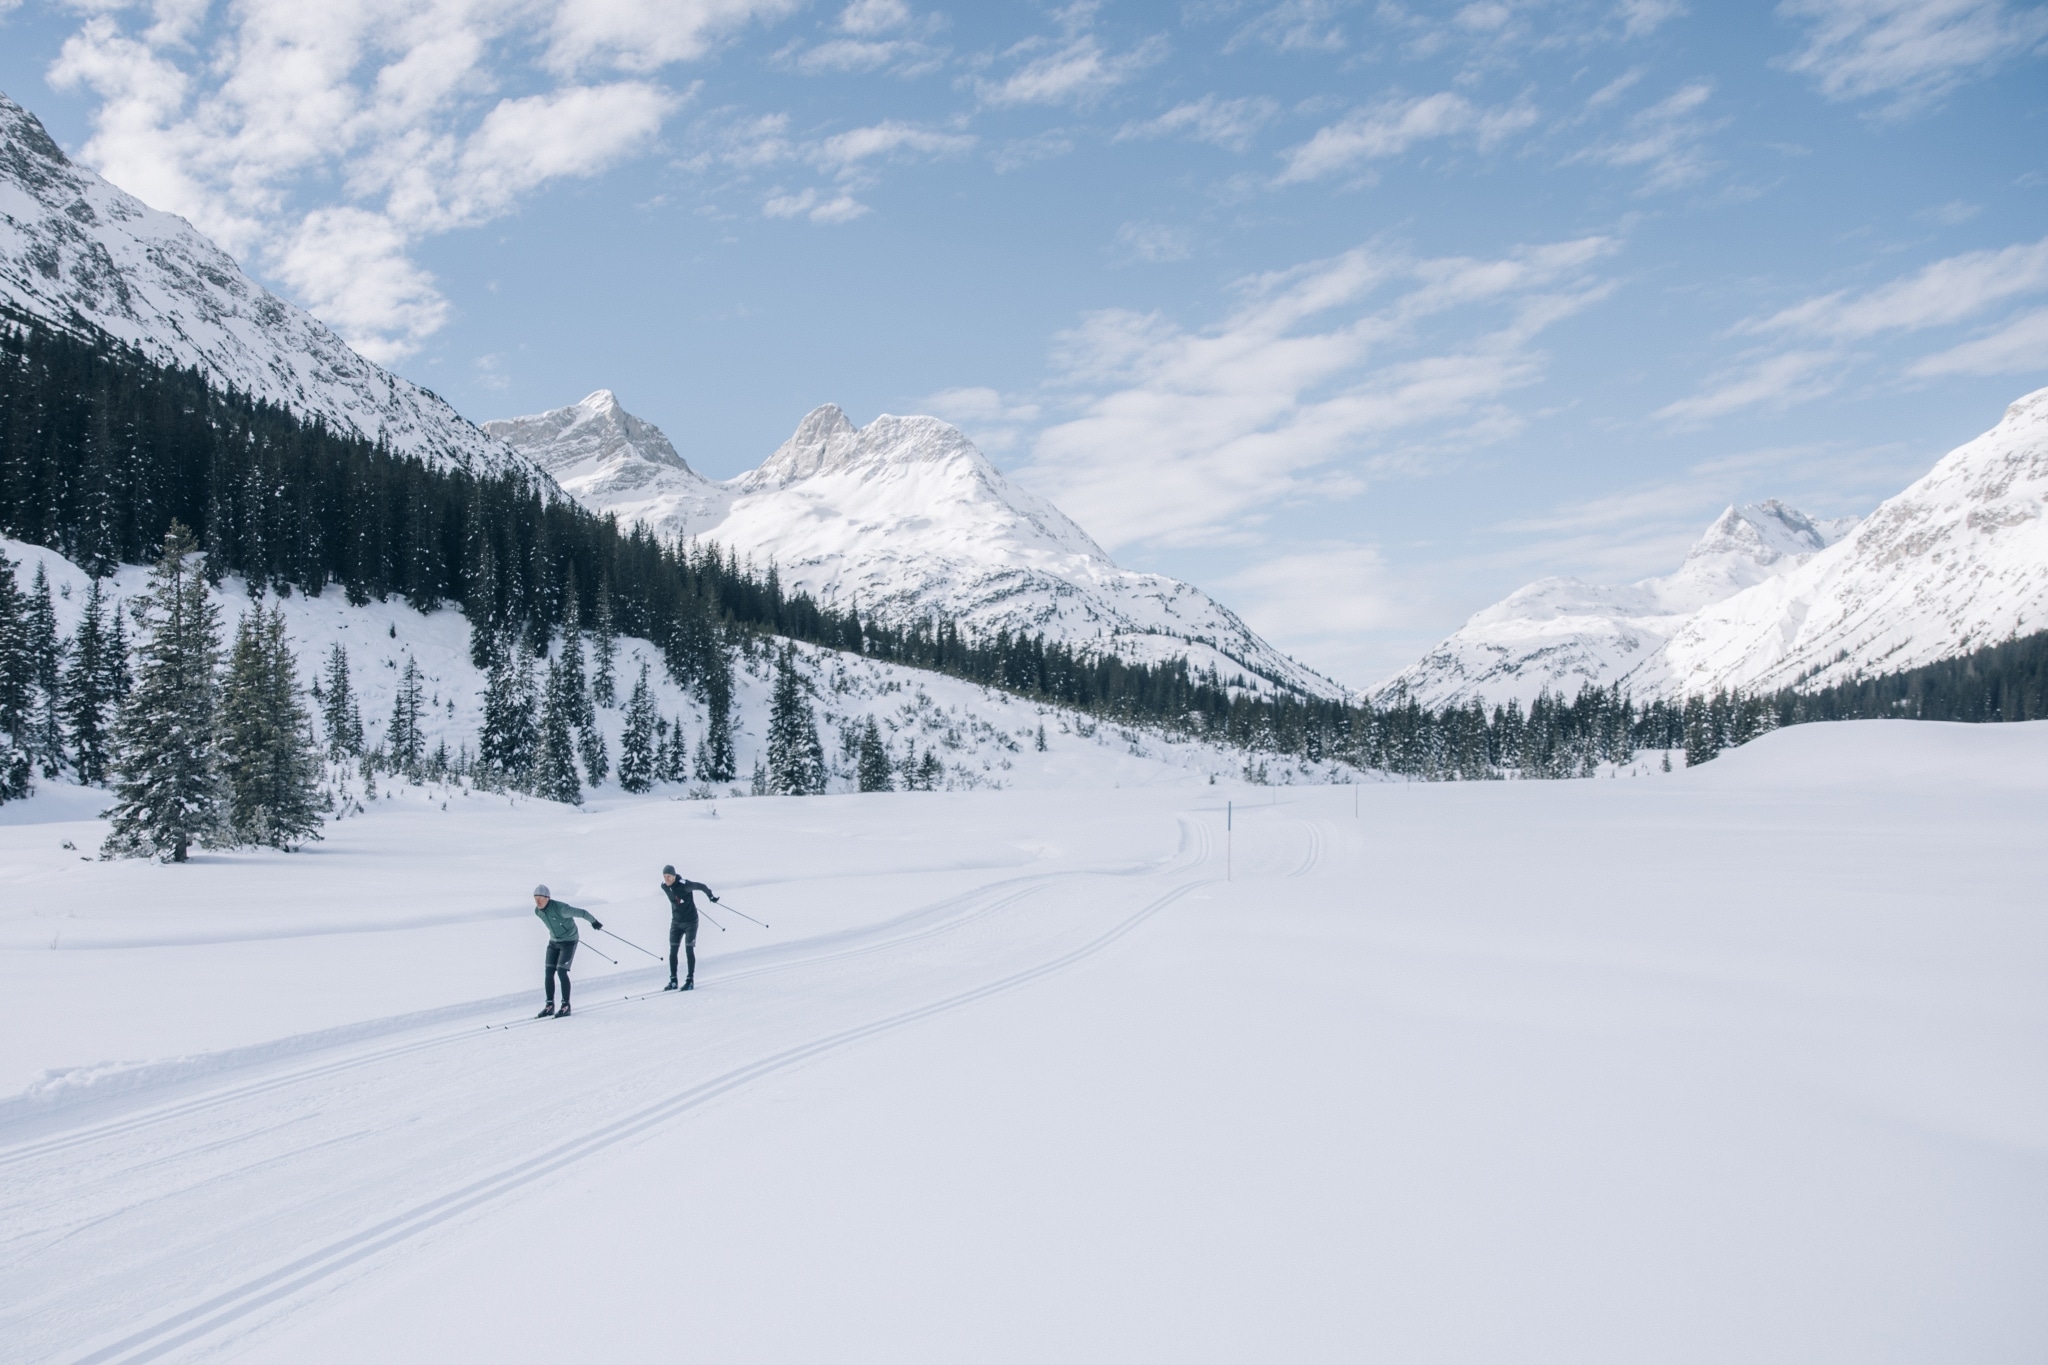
[1559, 634]
[984, 739]
[907, 519]
[1957, 561]
[76, 250]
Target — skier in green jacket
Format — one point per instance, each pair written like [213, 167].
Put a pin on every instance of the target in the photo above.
[560, 918]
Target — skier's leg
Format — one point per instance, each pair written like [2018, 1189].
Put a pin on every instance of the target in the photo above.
[568, 956]
[690, 948]
[675, 937]
[547, 971]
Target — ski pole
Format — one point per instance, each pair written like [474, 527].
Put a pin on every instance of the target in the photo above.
[743, 915]
[630, 944]
[714, 923]
[600, 952]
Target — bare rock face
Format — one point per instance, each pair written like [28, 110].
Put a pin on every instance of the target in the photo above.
[78, 253]
[905, 519]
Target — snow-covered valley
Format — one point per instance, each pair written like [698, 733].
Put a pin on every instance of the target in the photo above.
[1738, 1063]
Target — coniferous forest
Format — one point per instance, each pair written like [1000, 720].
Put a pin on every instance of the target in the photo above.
[103, 453]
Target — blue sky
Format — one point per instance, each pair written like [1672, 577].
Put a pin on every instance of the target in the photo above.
[1359, 315]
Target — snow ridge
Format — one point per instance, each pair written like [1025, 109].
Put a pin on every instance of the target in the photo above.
[1957, 561]
[905, 519]
[78, 253]
[1561, 634]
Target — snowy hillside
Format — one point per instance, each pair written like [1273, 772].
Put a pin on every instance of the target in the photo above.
[1957, 561]
[75, 249]
[906, 518]
[984, 739]
[1560, 634]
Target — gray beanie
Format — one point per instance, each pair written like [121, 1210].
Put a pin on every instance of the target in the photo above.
[542, 890]
[668, 870]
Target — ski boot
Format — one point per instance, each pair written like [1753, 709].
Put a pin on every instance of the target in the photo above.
[563, 1013]
[689, 985]
[547, 1011]
[671, 986]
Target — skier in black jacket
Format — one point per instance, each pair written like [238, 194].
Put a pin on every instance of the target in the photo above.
[682, 923]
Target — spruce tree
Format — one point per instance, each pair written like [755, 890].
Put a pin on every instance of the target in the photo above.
[46, 658]
[344, 721]
[596, 754]
[716, 761]
[91, 691]
[506, 747]
[167, 793]
[636, 745]
[554, 767]
[269, 756]
[17, 689]
[604, 637]
[796, 760]
[404, 742]
[872, 765]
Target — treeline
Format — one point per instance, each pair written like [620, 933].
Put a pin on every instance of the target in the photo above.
[2002, 682]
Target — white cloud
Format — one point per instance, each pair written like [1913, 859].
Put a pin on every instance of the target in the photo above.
[1640, 17]
[1911, 52]
[995, 423]
[845, 150]
[1393, 126]
[1191, 436]
[1229, 124]
[1776, 381]
[1154, 242]
[1665, 139]
[280, 128]
[1295, 26]
[839, 208]
[870, 17]
[1944, 292]
[1078, 72]
[646, 35]
[2019, 347]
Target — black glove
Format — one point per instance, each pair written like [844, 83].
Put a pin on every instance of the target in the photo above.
[714, 898]
[595, 925]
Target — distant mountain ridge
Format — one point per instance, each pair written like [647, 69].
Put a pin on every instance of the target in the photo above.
[75, 251]
[1772, 599]
[1561, 634]
[906, 518]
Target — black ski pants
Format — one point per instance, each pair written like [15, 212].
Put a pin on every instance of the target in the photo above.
[682, 932]
[561, 952]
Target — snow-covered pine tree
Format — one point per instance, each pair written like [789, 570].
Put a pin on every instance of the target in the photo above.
[716, 761]
[872, 767]
[46, 655]
[269, 756]
[930, 771]
[92, 690]
[636, 744]
[167, 793]
[596, 754]
[344, 720]
[506, 747]
[405, 743]
[554, 767]
[17, 689]
[604, 639]
[796, 760]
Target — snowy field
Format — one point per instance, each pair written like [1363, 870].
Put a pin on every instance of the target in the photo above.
[1737, 1064]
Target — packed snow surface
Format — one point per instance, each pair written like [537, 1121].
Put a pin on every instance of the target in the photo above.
[1561, 634]
[905, 519]
[1738, 1063]
[74, 248]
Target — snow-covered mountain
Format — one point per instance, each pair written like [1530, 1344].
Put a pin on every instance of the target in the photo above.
[1957, 561]
[1559, 634]
[906, 519]
[76, 250]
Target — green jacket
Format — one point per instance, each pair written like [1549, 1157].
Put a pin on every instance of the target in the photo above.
[560, 917]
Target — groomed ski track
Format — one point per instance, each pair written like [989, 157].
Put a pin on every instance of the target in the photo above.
[181, 1221]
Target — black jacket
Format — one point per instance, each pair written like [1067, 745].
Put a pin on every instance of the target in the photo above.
[681, 904]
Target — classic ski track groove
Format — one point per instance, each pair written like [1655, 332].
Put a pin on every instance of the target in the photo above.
[223, 1309]
[1006, 893]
